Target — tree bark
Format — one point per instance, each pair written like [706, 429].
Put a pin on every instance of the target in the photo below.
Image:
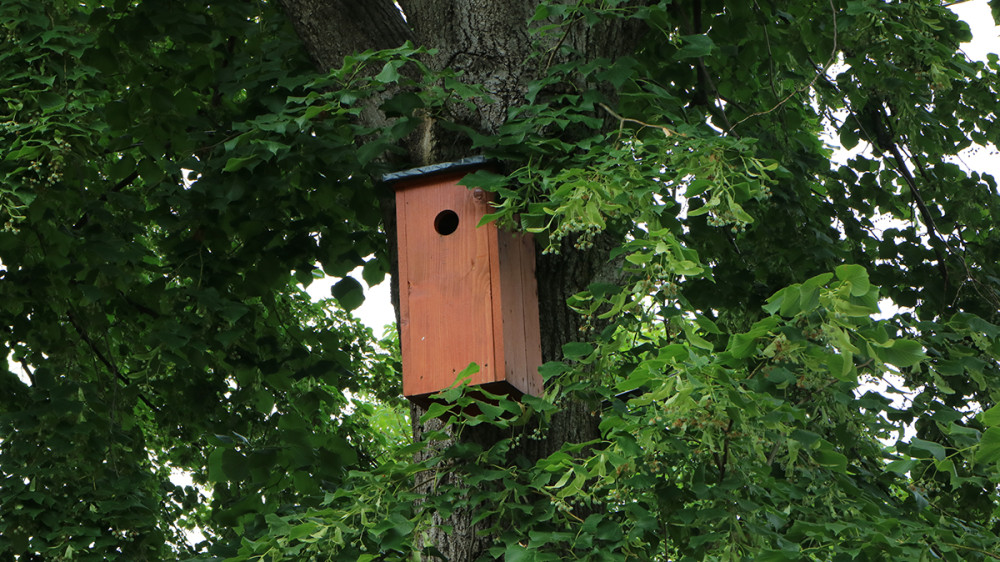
[332, 29]
[489, 43]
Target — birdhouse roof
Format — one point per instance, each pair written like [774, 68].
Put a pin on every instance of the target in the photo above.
[434, 169]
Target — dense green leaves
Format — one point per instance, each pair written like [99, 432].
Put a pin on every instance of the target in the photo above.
[160, 189]
[173, 174]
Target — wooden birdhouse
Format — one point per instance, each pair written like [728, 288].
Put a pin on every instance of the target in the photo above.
[467, 294]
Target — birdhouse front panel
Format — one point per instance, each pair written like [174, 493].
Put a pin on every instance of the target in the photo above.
[467, 294]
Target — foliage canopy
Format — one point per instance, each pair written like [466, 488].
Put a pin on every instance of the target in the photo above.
[175, 173]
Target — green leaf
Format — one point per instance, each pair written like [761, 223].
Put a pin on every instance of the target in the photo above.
[552, 369]
[988, 451]
[234, 164]
[302, 530]
[117, 114]
[777, 556]
[901, 466]
[435, 410]
[848, 138]
[743, 345]
[697, 187]
[902, 353]
[695, 339]
[857, 276]
[390, 72]
[215, 460]
[517, 553]
[541, 12]
[807, 438]
[577, 350]
[485, 179]
[374, 271]
[348, 292]
[402, 104]
[695, 46]
[991, 417]
[931, 448]
[50, 101]
[830, 458]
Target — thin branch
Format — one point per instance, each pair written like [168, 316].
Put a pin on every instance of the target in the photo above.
[770, 54]
[104, 197]
[103, 359]
[969, 275]
[27, 371]
[924, 213]
[725, 453]
[555, 49]
[956, 545]
[716, 109]
[622, 120]
[821, 72]
[692, 25]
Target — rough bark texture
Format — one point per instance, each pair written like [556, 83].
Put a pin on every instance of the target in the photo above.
[332, 29]
[489, 42]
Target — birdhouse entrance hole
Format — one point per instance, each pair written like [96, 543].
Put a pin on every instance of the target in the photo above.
[446, 222]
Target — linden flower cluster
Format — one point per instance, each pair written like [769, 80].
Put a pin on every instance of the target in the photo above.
[53, 172]
[586, 233]
[726, 218]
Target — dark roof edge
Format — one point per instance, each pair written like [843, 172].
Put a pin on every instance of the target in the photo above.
[435, 169]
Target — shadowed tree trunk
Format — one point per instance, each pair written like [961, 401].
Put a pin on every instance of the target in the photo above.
[489, 43]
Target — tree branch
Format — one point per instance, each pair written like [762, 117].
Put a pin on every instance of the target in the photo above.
[622, 120]
[924, 213]
[725, 453]
[692, 25]
[27, 371]
[127, 180]
[103, 359]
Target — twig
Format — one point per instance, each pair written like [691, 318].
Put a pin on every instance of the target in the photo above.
[107, 363]
[725, 453]
[555, 49]
[716, 108]
[622, 120]
[27, 371]
[973, 549]
[932, 229]
[104, 197]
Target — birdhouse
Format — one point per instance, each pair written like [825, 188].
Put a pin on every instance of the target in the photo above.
[467, 293]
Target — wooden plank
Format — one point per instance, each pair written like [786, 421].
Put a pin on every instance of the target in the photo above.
[511, 310]
[500, 344]
[402, 242]
[532, 330]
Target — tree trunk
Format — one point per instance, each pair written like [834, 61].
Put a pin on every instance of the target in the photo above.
[489, 43]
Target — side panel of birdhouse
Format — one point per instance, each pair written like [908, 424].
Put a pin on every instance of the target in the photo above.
[446, 310]
[521, 352]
